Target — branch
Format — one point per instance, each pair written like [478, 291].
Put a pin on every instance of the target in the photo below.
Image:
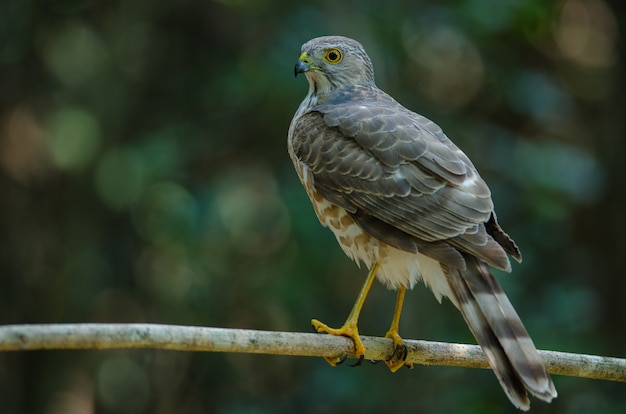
[187, 338]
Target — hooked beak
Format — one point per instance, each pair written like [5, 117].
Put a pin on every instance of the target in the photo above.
[301, 67]
[304, 64]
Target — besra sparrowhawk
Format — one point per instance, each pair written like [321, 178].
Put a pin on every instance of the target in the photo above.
[404, 200]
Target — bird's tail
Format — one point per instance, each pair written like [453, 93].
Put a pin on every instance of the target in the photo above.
[501, 334]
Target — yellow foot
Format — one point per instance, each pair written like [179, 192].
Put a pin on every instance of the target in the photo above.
[398, 357]
[349, 330]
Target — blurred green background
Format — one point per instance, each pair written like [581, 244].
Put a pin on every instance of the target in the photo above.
[144, 177]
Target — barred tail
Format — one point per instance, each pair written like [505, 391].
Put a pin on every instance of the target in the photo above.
[501, 334]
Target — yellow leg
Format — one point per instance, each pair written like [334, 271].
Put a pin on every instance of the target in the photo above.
[398, 357]
[349, 328]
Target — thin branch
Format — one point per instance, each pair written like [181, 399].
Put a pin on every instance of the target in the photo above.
[188, 338]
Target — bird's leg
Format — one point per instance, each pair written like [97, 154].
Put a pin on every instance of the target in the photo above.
[349, 328]
[398, 357]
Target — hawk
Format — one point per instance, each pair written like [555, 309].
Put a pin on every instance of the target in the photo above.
[404, 200]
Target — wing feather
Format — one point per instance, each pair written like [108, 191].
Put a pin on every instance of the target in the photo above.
[368, 153]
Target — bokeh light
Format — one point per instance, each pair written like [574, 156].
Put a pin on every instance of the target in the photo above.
[586, 33]
[73, 138]
[448, 68]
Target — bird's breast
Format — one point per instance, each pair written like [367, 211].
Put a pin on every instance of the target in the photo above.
[398, 268]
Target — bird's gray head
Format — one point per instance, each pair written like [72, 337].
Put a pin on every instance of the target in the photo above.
[331, 62]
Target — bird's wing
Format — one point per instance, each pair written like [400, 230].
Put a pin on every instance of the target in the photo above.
[393, 168]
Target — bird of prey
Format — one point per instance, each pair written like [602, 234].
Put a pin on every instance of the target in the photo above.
[404, 200]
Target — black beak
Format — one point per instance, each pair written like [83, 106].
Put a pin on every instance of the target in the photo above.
[300, 67]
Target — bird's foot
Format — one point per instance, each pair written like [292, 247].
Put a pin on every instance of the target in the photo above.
[397, 359]
[349, 330]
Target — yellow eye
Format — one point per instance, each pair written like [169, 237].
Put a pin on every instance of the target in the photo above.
[333, 56]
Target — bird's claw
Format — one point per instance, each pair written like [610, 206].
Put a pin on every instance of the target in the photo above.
[399, 352]
[335, 361]
[398, 357]
[357, 363]
[349, 330]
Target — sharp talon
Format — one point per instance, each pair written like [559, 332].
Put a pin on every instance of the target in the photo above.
[358, 363]
[373, 361]
[405, 352]
[348, 330]
[393, 354]
[397, 359]
[399, 355]
[341, 360]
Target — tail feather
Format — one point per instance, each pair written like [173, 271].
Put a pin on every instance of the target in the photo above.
[500, 332]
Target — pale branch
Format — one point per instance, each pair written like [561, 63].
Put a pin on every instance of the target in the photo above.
[189, 338]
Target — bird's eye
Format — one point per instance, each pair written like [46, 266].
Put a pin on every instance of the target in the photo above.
[333, 56]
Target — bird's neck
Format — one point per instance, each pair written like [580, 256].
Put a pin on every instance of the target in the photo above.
[319, 84]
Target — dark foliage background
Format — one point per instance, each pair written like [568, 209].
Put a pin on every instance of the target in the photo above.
[144, 178]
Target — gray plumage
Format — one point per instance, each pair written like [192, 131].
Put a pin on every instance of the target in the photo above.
[393, 188]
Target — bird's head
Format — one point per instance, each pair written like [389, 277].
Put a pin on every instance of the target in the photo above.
[332, 62]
